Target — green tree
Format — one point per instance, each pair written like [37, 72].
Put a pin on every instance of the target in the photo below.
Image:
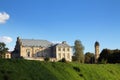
[79, 51]
[3, 50]
[89, 57]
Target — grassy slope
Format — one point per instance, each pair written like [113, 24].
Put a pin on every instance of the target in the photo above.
[35, 70]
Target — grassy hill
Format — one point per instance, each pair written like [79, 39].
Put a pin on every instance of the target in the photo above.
[35, 70]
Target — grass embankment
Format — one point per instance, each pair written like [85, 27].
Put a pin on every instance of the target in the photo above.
[35, 70]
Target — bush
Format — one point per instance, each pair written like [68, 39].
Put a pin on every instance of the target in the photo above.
[47, 59]
[77, 69]
[63, 60]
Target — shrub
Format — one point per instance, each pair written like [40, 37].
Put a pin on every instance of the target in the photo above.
[47, 59]
[63, 60]
[77, 69]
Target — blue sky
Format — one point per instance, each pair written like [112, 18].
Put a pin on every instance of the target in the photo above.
[63, 20]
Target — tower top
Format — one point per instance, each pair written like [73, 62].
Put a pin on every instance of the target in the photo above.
[97, 43]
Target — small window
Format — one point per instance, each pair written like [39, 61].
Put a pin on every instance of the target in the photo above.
[37, 50]
[7, 56]
[63, 49]
[68, 49]
[28, 52]
[59, 49]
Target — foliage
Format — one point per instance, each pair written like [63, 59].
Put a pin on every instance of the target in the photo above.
[19, 69]
[3, 49]
[110, 56]
[89, 57]
[63, 60]
[79, 51]
[46, 58]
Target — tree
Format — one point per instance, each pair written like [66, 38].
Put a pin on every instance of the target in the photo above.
[3, 50]
[89, 57]
[109, 56]
[79, 51]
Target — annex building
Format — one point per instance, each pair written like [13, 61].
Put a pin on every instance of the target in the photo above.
[33, 49]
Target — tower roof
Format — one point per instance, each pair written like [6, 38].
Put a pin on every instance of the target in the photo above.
[97, 43]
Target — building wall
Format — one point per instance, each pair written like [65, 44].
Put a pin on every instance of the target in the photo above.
[96, 53]
[39, 53]
[8, 55]
[34, 52]
[63, 52]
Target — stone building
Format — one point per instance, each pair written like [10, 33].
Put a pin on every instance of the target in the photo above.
[97, 51]
[8, 55]
[39, 49]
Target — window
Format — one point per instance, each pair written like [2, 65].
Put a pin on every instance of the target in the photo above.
[28, 52]
[68, 49]
[7, 56]
[59, 49]
[37, 50]
[63, 49]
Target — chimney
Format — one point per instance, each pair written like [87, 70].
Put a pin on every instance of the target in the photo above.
[64, 42]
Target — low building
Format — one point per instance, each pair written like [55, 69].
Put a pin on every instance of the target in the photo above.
[8, 55]
[39, 49]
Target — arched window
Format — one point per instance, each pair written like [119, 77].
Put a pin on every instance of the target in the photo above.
[28, 52]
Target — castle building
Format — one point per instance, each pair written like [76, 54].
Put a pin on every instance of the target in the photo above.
[32, 49]
[97, 51]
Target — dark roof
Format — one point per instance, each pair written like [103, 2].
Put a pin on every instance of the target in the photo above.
[33, 42]
[97, 43]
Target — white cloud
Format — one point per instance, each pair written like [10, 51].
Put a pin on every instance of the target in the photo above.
[4, 17]
[56, 42]
[6, 39]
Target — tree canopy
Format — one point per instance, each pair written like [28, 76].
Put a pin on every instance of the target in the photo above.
[79, 51]
[89, 57]
[110, 56]
[3, 49]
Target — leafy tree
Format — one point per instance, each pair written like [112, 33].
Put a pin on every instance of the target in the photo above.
[109, 56]
[79, 51]
[89, 57]
[3, 50]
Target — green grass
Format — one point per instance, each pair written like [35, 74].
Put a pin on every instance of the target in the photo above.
[35, 70]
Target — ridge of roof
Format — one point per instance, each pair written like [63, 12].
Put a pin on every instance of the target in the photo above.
[35, 42]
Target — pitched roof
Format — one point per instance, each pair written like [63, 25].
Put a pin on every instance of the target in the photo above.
[63, 44]
[33, 42]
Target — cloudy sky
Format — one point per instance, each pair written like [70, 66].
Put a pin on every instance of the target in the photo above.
[61, 20]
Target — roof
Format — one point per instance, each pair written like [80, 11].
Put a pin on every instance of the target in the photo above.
[97, 43]
[63, 44]
[33, 42]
